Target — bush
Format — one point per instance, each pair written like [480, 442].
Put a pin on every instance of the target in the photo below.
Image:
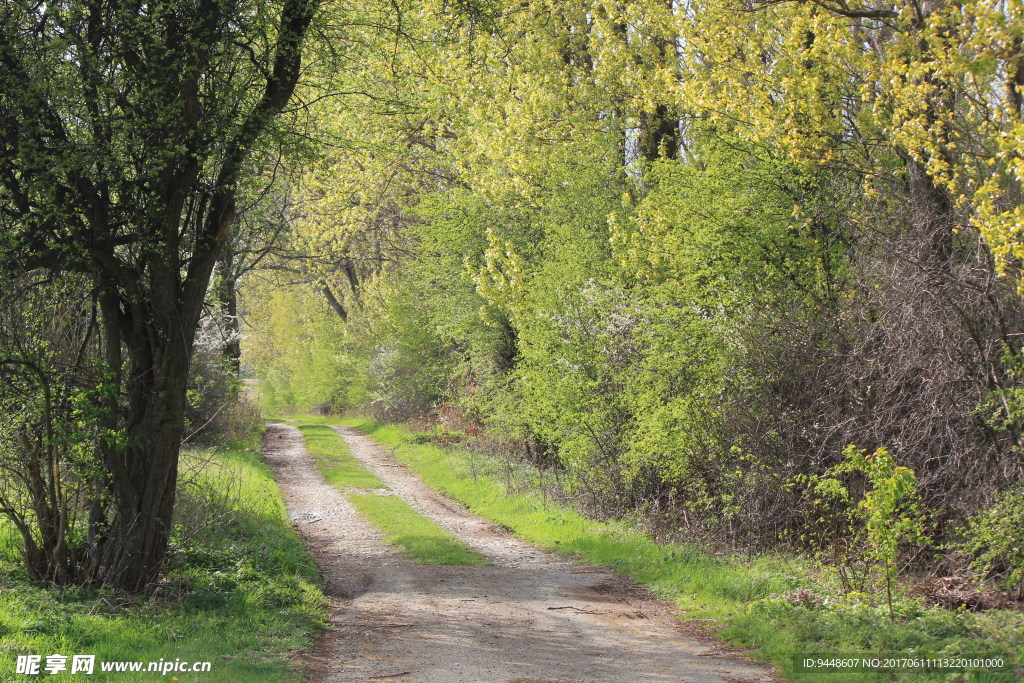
[995, 541]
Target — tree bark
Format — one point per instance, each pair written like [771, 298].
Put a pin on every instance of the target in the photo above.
[227, 295]
[335, 305]
[659, 135]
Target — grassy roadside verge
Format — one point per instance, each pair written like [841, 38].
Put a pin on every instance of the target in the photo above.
[415, 535]
[241, 591]
[780, 607]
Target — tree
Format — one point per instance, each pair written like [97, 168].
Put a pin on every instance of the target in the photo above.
[262, 233]
[127, 130]
[690, 249]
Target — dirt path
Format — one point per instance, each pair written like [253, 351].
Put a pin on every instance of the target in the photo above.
[530, 616]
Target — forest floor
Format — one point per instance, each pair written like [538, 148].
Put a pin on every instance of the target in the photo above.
[529, 615]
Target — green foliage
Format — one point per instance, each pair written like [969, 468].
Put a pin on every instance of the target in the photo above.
[887, 517]
[1003, 407]
[403, 359]
[297, 351]
[995, 540]
[891, 509]
[677, 278]
[56, 400]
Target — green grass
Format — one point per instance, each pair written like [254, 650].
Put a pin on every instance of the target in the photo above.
[748, 601]
[417, 536]
[307, 418]
[243, 592]
[330, 452]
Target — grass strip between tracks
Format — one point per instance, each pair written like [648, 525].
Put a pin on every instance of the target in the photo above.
[417, 536]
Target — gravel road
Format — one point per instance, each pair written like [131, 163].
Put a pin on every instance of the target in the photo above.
[528, 616]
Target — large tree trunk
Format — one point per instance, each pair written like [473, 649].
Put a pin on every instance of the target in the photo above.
[143, 468]
[137, 536]
[659, 135]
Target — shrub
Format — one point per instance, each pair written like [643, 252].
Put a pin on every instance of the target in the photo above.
[995, 540]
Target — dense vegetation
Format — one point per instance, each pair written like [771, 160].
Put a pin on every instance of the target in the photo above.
[130, 139]
[751, 269]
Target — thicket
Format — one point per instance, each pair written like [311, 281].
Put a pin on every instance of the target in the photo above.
[685, 257]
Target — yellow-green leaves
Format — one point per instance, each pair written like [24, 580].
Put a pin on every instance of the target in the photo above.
[500, 280]
[941, 86]
[890, 512]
